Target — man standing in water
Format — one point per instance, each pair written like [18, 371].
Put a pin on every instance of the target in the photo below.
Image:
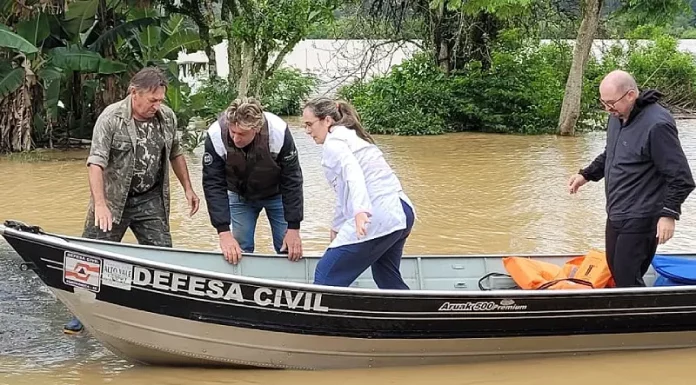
[133, 143]
[647, 177]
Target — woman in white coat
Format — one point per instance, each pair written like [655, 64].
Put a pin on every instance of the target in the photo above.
[373, 216]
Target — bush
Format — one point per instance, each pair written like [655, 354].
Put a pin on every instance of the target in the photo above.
[282, 93]
[522, 92]
[413, 99]
[285, 90]
[214, 96]
[660, 65]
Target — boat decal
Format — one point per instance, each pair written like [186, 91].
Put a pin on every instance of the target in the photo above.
[432, 316]
[503, 305]
[167, 282]
[82, 271]
[117, 274]
[212, 290]
[289, 300]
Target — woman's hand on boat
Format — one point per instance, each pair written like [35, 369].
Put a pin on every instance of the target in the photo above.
[230, 247]
[102, 217]
[361, 221]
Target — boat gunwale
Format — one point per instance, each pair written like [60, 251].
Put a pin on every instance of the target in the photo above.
[55, 240]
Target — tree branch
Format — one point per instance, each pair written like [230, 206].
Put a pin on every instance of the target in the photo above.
[281, 55]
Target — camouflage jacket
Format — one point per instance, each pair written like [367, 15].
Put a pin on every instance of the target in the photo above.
[113, 148]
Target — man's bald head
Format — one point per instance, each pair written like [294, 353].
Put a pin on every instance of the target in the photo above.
[618, 92]
[622, 81]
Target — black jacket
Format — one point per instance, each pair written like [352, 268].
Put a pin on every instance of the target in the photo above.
[646, 172]
[215, 186]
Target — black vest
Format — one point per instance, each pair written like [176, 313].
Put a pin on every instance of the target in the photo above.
[252, 172]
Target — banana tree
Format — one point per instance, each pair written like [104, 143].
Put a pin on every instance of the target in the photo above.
[60, 52]
[63, 61]
[159, 44]
[17, 86]
[42, 56]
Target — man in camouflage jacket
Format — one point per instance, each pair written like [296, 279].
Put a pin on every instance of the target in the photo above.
[133, 143]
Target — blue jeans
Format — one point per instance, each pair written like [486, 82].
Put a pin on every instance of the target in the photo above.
[340, 266]
[244, 215]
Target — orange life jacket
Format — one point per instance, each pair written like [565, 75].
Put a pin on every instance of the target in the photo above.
[582, 272]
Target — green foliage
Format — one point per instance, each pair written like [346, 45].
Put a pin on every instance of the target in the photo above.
[502, 8]
[77, 59]
[190, 109]
[523, 90]
[10, 79]
[284, 91]
[11, 40]
[184, 105]
[639, 19]
[283, 94]
[413, 99]
[657, 12]
[659, 64]
[521, 93]
[216, 94]
[82, 53]
[261, 29]
[357, 26]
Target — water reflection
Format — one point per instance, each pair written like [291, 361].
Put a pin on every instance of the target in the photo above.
[657, 367]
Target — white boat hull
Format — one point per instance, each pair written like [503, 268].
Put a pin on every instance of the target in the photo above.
[150, 338]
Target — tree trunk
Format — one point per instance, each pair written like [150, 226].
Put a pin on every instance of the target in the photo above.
[439, 40]
[230, 10]
[111, 92]
[205, 35]
[212, 61]
[245, 78]
[570, 110]
[257, 78]
[484, 29]
[234, 59]
[259, 68]
[16, 120]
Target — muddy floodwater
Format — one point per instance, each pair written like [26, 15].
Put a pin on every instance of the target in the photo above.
[474, 193]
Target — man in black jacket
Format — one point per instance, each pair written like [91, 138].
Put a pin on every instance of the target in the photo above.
[251, 163]
[646, 174]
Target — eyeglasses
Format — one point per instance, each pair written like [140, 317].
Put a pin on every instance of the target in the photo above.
[611, 104]
[310, 124]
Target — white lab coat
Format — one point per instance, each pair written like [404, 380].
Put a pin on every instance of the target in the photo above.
[363, 181]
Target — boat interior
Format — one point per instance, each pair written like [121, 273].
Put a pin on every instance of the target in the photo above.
[420, 272]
